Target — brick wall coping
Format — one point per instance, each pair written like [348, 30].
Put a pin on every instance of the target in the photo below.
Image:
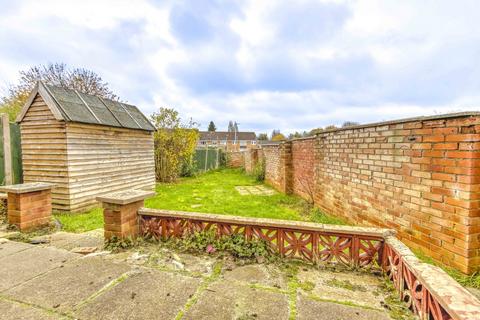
[277, 223]
[303, 138]
[26, 187]
[125, 197]
[413, 119]
[456, 300]
[272, 144]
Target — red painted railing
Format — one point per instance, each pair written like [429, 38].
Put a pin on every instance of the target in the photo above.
[429, 292]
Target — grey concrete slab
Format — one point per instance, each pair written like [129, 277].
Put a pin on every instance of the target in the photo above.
[266, 275]
[229, 300]
[150, 294]
[308, 309]
[26, 264]
[10, 247]
[66, 287]
[355, 287]
[69, 241]
[17, 311]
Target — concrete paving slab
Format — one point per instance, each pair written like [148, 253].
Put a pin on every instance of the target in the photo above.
[308, 309]
[26, 264]
[66, 287]
[266, 275]
[69, 241]
[11, 247]
[355, 287]
[17, 311]
[201, 265]
[150, 294]
[228, 300]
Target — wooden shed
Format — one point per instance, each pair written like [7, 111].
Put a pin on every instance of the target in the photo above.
[86, 145]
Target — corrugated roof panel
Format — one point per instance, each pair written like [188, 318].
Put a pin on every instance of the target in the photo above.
[102, 113]
[138, 116]
[72, 105]
[120, 113]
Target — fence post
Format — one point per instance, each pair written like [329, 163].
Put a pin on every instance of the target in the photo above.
[7, 149]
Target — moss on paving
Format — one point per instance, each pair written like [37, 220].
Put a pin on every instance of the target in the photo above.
[212, 192]
[217, 270]
[345, 284]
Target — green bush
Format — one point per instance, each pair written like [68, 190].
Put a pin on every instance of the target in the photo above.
[259, 171]
[189, 168]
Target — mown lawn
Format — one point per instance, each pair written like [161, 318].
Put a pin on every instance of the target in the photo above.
[212, 192]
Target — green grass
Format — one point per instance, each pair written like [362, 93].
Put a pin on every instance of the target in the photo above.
[213, 192]
[81, 222]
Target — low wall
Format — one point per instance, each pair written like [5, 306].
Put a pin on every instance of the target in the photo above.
[419, 176]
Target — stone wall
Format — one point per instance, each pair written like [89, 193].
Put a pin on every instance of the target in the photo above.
[419, 176]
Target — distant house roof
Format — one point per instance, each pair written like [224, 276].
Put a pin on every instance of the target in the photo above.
[74, 106]
[224, 135]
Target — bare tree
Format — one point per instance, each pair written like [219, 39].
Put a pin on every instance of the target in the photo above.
[58, 74]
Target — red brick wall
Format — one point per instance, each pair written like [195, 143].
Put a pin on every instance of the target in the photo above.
[235, 159]
[251, 159]
[303, 167]
[420, 177]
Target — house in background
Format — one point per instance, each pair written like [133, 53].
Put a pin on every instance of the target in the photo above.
[229, 141]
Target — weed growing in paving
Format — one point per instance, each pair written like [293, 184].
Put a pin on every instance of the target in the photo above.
[236, 245]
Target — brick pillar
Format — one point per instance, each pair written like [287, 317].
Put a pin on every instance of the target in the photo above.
[29, 205]
[286, 170]
[120, 209]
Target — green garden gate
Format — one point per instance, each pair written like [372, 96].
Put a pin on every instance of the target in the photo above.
[209, 158]
[10, 145]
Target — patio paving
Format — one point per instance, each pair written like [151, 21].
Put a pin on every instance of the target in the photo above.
[259, 190]
[47, 281]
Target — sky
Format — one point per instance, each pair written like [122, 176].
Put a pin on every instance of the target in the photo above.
[288, 65]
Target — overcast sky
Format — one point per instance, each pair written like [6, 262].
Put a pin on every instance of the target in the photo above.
[289, 65]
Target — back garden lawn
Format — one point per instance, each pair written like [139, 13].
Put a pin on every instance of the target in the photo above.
[213, 192]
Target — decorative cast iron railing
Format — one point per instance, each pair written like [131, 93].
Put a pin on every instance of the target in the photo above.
[429, 291]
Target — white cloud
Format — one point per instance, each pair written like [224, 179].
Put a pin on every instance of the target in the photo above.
[265, 64]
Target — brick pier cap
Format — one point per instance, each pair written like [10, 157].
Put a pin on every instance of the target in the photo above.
[26, 187]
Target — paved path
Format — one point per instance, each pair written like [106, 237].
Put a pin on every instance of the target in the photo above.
[47, 282]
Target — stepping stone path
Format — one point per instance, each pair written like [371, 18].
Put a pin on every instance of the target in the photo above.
[259, 190]
[48, 281]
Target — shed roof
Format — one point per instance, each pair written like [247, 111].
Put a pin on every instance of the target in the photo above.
[74, 106]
